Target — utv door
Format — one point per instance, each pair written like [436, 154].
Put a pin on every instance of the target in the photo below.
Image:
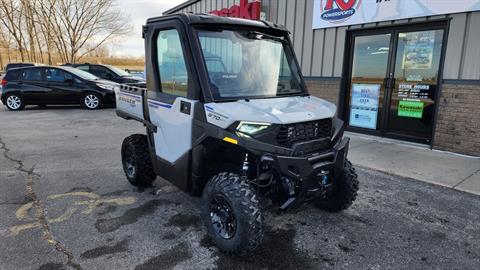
[170, 101]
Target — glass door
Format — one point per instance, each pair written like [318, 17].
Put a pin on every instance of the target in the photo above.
[367, 84]
[393, 81]
[412, 103]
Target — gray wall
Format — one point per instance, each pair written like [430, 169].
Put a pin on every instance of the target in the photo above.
[321, 51]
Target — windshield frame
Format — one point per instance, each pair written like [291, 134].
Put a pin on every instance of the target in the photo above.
[271, 35]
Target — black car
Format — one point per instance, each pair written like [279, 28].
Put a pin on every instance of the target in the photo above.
[111, 73]
[17, 65]
[55, 85]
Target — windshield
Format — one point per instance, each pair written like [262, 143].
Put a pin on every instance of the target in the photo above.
[249, 64]
[82, 74]
[119, 72]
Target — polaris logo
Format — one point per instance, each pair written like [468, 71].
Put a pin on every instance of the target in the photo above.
[337, 11]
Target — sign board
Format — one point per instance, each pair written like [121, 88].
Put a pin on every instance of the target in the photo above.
[364, 105]
[334, 13]
[245, 10]
[412, 109]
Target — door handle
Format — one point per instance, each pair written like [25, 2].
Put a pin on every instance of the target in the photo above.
[185, 107]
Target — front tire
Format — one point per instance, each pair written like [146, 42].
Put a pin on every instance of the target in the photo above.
[345, 193]
[14, 102]
[136, 161]
[232, 214]
[92, 101]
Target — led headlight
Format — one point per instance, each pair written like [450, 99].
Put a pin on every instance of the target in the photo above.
[252, 127]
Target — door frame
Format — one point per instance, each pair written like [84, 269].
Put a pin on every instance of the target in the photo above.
[344, 113]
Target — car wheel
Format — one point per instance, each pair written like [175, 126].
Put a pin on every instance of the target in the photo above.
[136, 161]
[344, 194]
[92, 101]
[14, 102]
[232, 214]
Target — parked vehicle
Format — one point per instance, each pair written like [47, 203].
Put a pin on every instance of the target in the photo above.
[111, 73]
[17, 65]
[55, 85]
[235, 131]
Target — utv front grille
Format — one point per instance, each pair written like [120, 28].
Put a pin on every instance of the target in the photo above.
[290, 134]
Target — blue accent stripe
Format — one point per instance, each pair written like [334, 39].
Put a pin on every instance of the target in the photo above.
[157, 104]
[209, 108]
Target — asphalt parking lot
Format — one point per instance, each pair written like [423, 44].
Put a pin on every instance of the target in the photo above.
[65, 204]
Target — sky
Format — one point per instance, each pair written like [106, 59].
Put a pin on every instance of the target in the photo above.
[139, 11]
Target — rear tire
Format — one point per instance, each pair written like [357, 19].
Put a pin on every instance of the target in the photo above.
[232, 214]
[91, 101]
[136, 161]
[346, 192]
[14, 102]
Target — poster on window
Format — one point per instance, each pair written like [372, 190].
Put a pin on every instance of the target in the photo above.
[364, 105]
[418, 50]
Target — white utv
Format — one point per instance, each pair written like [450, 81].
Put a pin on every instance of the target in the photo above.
[228, 117]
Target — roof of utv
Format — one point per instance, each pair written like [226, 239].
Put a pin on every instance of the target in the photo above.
[211, 19]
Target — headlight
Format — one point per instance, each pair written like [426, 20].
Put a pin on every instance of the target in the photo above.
[252, 127]
[105, 86]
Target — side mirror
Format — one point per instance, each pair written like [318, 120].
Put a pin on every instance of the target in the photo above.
[109, 76]
[69, 81]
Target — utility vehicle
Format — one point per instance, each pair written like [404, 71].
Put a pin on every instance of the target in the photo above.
[235, 132]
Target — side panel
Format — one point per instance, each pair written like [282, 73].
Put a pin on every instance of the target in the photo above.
[174, 127]
[129, 101]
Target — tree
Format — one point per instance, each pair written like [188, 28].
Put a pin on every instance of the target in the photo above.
[71, 29]
[82, 26]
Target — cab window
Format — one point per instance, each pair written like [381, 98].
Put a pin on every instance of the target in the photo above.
[32, 74]
[54, 75]
[171, 63]
[101, 72]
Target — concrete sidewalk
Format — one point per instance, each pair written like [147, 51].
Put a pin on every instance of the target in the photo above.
[416, 161]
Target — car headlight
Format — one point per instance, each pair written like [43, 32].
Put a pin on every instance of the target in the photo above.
[105, 86]
[252, 127]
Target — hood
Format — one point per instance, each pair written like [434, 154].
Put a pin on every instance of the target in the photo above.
[133, 79]
[273, 110]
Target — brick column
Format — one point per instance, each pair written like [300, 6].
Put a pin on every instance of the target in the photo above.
[458, 121]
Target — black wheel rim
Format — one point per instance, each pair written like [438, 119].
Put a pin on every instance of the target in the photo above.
[222, 217]
[129, 163]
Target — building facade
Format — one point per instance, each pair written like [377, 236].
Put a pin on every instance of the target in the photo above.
[405, 72]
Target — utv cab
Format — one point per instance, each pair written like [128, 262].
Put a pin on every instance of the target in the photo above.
[228, 117]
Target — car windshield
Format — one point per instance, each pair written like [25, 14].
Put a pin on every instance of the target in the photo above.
[119, 72]
[249, 64]
[82, 74]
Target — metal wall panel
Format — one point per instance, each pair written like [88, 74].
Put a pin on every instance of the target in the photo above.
[308, 41]
[470, 68]
[321, 51]
[290, 19]
[282, 11]
[456, 36]
[329, 52]
[319, 36]
[299, 29]
[339, 51]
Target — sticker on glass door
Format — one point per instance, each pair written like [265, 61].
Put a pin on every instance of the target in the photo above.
[364, 105]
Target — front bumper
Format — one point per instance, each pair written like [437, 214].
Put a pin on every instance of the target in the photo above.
[313, 175]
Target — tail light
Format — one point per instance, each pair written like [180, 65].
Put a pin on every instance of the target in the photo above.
[4, 82]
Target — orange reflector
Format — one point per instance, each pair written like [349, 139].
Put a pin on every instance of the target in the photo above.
[230, 140]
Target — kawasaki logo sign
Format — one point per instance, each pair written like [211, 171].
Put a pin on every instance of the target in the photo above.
[335, 13]
[246, 10]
